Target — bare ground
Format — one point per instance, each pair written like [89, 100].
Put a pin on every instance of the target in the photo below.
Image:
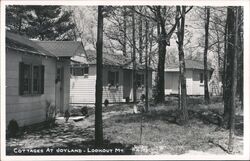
[155, 132]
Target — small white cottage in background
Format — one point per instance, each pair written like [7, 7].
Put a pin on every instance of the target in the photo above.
[194, 77]
[117, 78]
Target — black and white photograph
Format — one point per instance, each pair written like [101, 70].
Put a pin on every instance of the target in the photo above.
[125, 80]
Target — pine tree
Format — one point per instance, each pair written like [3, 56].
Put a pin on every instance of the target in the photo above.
[49, 23]
[16, 18]
[41, 22]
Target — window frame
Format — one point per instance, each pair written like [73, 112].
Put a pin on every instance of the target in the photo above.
[201, 77]
[115, 75]
[84, 71]
[140, 80]
[40, 79]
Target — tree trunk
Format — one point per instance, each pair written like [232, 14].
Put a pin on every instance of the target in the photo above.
[229, 66]
[207, 11]
[180, 35]
[140, 39]
[150, 45]
[134, 58]
[240, 58]
[160, 94]
[234, 80]
[225, 61]
[98, 92]
[124, 32]
[146, 65]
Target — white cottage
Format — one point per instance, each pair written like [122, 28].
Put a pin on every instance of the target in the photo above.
[35, 75]
[194, 77]
[117, 78]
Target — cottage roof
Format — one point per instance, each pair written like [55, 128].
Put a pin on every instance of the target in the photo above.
[89, 57]
[189, 64]
[62, 48]
[22, 43]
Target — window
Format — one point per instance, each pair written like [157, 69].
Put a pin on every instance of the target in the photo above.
[36, 79]
[31, 79]
[140, 80]
[58, 74]
[86, 70]
[113, 78]
[79, 71]
[201, 78]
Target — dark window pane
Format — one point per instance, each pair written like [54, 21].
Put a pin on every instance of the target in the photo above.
[201, 77]
[117, 78]
[42, 78]
[140, 80]
[111, 78]
[78, 72]
[58, 74]
[26, 79]
[86, 70]
[36, 79]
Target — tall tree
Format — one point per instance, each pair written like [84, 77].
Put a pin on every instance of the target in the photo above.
[207, 13]
[124, 31]
[225, 63]
[165, 33]
[98, 92]
[180, 12]
[49, 23]
[134, 57]
[16, 18]
[228, 95]
[140, 36]
[235, 44]
[240, 57]
[146, 64]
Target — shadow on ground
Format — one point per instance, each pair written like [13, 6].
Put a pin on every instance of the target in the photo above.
[64, 139]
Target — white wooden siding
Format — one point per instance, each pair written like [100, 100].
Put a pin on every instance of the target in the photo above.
[27, 109]
[189, 82]
[198, 88]
[194, 87]
[171, 83]
[112, 94]
[82, 89]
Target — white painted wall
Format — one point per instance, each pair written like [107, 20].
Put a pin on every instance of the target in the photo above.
[82, 89]
[194, 87]
[172, 80]
[27, 110]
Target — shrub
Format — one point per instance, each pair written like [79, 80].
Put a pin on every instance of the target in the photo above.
[76, 111]
[106, 102]
[84, 111]
[50, 113]
[127, 99]
[13, 128]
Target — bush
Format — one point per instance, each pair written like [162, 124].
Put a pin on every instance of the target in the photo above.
[84, 111]
[106, 103]
[50, 113]
[13, 128]
[76, 111]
